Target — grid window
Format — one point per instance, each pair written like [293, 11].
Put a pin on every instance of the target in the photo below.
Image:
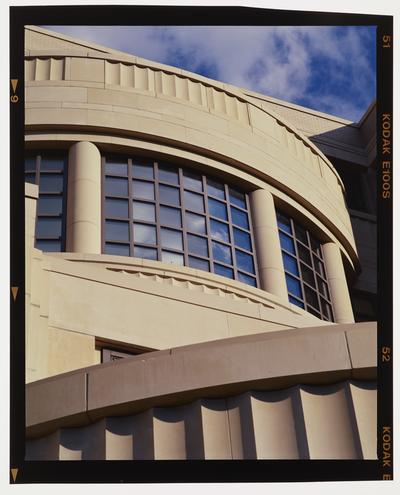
[304, 268]
[176, 215]
[48, 170]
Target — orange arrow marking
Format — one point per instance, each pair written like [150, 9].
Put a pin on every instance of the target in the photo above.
[14, 83]
[14, 291]
[14, 473]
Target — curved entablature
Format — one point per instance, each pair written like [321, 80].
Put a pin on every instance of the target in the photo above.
[131, 72]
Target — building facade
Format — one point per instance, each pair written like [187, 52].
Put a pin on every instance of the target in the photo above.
[200, 266]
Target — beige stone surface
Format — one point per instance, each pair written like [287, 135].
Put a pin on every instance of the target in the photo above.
[268, 249]
[84, 199]
[365, 409]
[87, 69]
[274, 425]
[337, 282]
[330, 426]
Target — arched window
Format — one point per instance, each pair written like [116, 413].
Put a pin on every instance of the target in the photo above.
[160, 211]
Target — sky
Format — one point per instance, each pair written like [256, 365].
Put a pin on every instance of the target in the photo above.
[326, 68]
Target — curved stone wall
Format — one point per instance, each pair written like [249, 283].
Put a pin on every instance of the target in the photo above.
[281, 395]
[116, 97]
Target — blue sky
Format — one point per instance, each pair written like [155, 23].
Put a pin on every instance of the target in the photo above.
[327, 68]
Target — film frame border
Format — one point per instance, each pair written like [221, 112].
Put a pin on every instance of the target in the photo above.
[22, 471]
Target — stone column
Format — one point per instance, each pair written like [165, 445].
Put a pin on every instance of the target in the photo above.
[337, 283]
[269, 256]
[84, 199]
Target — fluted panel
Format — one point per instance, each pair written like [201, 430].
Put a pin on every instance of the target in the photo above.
[127, 75]
[130, 437]
[365, 409]
[274, 425]
[57, 69]
[330, 423]
[83, 443]
[196, 92]
[216, 100]
[241, 427]
[142, 78]
[42, 72]
[112, 73]
[30, 69]
[215, 429]
[169, 433]
[302, 422]
[182, 88]
[232, 106]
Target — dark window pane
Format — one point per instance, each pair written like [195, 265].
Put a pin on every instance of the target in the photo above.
[116, 167]
[116, 208]
[174, 258]
[199, 264]
[117, 231]
[169, 195]
[295, 301]
[197, 245]
[48, 227]
[222, 253]
[242, 239]
[315, 245]
[144, 211]
[194, 202]
[50, 205]
[51, 163]
[313, 312]
[195, 223]
[244, 261]
[30, 164]
[311, 297]
[145, 252]
[116, 187]
[170, 216]
[30, 177]
[192, 181]
[217, 209]
[290, 264]
[318, 265]
[286, 243]
[144, 190]
[223, 270]
[323, 288]
[117, 249]
[51, 183]
[237, 198]
[171, 239]
[215, 189]
[327, 310]
[48, 245]
[240, 218]
[219, 230]
[142, 170]
[307, 274]
[247, 279]
[304, 254]
[293, 286]
[284, 223]
[301, 234]
[168, 173]
[144, 234]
